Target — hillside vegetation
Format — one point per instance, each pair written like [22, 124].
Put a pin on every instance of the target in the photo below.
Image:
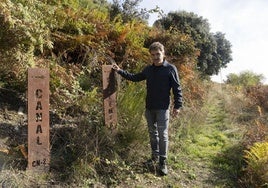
[219, 139]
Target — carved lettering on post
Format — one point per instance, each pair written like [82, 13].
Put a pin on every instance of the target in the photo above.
[38, 119]
[109, 95]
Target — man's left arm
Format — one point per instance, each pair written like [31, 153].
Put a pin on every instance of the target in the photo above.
[177, 91]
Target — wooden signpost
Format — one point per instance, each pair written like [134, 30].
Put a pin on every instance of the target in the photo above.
[109, 95]
[38, 113]
[38, 119]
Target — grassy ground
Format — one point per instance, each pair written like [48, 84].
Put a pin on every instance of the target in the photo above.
[204, 151]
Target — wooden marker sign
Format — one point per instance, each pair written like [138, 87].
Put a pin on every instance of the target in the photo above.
[38, 119]
[109, 95]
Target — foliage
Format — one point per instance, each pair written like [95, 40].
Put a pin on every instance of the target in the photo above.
[257, 164]
[223, 53]
[128, 44]
[257, 132]
[132, 130]
[73, 39]
[215, 50]
[23, 34]
[259, 96]
[179, 47]
[244, 79]
[129, 10]
[255, 137]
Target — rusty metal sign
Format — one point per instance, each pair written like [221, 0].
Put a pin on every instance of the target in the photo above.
[38, 119]
[109, 95]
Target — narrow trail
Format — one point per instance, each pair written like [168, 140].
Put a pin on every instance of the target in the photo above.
[205, 163]
[217, 137]
[209, 141]
[214, 127]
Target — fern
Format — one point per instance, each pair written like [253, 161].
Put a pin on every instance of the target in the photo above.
[257, 163]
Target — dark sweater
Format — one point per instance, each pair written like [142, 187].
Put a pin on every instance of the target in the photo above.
[159, 81]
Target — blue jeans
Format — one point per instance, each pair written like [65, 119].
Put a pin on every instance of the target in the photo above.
[158, 121]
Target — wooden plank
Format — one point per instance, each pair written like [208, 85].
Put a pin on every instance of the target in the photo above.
[109, 96]
[38, 119]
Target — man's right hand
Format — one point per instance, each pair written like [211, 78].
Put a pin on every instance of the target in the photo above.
[115, 67]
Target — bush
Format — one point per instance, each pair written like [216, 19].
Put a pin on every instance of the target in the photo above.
[23, 34]
[259, 97]
[245, 79]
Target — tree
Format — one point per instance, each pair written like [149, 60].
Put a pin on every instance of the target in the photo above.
[215, 50]
[223, 50]
[129, 9]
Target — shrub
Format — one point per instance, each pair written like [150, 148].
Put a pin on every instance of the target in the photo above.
[245, 79]
[23, 34]
[259, 96]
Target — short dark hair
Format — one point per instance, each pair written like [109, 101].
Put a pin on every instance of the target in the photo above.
[156, 46]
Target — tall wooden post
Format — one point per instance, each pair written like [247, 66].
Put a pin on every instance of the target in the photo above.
[109, 95]
[38, 119]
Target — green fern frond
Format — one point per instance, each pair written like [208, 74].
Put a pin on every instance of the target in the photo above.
[257, 161]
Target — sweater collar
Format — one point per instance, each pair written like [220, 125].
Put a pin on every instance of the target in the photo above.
[164, 64]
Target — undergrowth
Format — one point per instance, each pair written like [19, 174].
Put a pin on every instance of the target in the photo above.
[207, 147]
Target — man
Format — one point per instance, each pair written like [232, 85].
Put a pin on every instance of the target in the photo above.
[160, 78]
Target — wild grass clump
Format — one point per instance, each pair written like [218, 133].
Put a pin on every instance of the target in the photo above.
[132, 129]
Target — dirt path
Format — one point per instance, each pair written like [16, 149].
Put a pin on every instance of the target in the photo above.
[205, 163]
[217, 142]
[208, 142]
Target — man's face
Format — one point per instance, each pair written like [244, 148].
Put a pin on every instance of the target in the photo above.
[157, 57]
